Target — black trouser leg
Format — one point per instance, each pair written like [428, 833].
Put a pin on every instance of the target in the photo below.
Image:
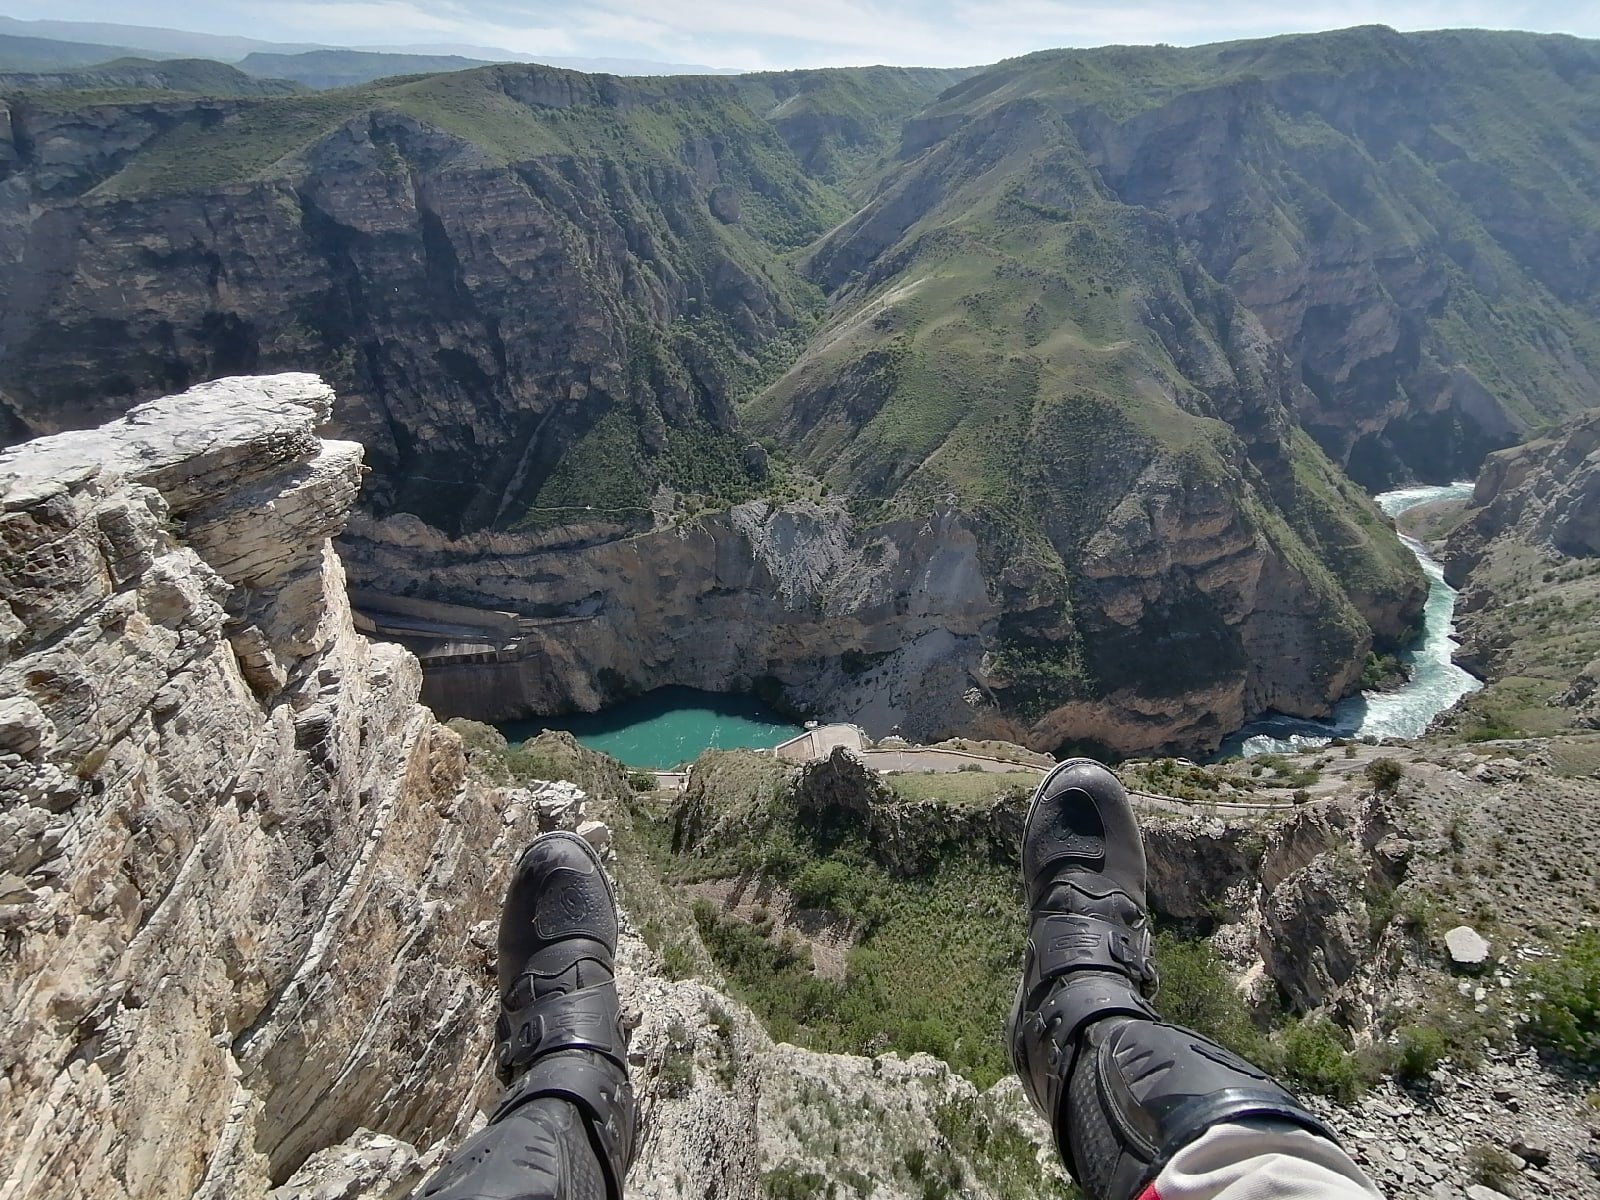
[538, 1151]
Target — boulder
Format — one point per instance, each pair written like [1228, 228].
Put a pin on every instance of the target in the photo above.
[1467, 947]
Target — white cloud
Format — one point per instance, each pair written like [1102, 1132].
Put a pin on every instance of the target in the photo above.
[778, 33]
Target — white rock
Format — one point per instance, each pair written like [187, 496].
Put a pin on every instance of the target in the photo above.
[1467, 946]
[597, 834]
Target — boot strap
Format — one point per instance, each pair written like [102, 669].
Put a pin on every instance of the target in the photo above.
[1064, 942]
[600, 1090]
[585, 1019]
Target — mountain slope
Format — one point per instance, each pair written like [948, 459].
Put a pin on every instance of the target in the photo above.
[1414, 217]
[400, 239]
[198, 75]
[19, 53]
[1010, 340]
[349, 68]
[1089, 332]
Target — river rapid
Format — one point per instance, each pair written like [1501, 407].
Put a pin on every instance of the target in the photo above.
[1436, 682]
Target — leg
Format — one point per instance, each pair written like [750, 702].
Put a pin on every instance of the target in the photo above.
[564, 1129]
[1133, 1101]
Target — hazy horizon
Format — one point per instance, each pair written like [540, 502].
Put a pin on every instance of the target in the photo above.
[725, 34]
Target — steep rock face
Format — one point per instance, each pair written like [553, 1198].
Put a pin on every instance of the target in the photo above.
[240, 875]
[723, 602]
[541, 321]
[890, 625]
[1545, 492]
[247, 891]
[1523, 556]
[1170, 553]
[479, 319]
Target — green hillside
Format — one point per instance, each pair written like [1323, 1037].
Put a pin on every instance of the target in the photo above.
[49, 54]
[349, 68]
[200, 76]
[1444, 186]
[1138, 314]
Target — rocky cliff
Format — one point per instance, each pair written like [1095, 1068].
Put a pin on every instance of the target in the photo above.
[1523, 551]
[240, 873]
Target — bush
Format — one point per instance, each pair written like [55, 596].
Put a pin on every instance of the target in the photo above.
[642, 781]
[1384, 774]
[1421, 1048]
[789, 1182]
[1566, 1014]
[1197, 990]
[677, 1065]
[825, 884]
[1315, 1057]
[1491, 1166]
[677, 959]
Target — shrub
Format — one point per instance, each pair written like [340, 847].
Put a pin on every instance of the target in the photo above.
[642, 781]
[1384, 774]
[1566, 1014]
[1491, 1166]
[1315, 1057]
[1421, 1048]
[789, 1182]
[1197, 990]
[677, 959]
[677, 1065]
[824, 884]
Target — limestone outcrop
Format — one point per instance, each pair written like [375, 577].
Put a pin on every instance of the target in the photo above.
[241, 877]
[1545, 492]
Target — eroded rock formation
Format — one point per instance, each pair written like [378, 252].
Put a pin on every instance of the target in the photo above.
[240, 873]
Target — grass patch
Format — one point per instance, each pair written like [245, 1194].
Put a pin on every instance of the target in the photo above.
[1564, 1000]
[961, 788]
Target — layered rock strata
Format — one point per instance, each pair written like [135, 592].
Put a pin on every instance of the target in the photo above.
[241, 878]
[892, 626]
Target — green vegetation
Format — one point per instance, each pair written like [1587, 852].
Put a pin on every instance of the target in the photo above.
[1004, 1158]
[349, 68]
[1317, 1058]
[1198, 991]
[129, 78]
[788, 1182]
[960, 788]
[1491, 1166]
[1419, 1049]
[1384, 774]
[1383, 672]
[53, 54]
[1564, 999]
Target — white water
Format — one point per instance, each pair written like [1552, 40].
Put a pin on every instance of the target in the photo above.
[1436, 682]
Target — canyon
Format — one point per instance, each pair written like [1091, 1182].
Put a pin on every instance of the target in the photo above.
[578, 319]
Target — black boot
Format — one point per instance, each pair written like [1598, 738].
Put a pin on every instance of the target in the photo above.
[1122, 1090]
[565, 1128]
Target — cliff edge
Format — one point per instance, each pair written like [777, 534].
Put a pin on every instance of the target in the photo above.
[240, 866]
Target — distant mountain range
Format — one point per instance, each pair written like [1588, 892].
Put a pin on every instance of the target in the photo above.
[54, 45]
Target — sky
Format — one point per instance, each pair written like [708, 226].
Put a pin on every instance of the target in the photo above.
[756, 34]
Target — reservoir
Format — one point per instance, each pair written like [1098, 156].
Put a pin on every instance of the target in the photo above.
[1436, 682]
[667, 727]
